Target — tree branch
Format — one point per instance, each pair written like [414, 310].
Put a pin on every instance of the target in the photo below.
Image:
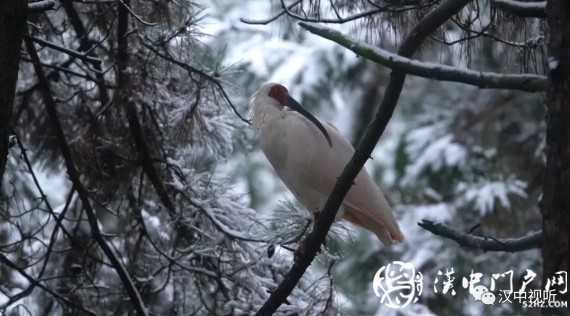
[94, 61]
[316, 237]
[535, 9]
[146, 159]
[75, 179]
[485, 80]
[12, 26]
[6, 261]
[40, 6]
[191, 69]
[270, 19]
[86, 44]
[467, 240]
[286, 9]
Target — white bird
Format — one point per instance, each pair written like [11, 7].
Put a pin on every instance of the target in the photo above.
[309, 157]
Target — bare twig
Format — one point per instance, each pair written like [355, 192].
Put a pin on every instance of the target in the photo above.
[316, 237]
[6, 261]
[49, 103]
[87, 45]
[485, 80]
[270, 19]
[68, 71]
[136, 16]
[286, 9]
[469, 240]
[70, 52]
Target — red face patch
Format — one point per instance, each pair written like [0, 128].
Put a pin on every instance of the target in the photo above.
[279, 93]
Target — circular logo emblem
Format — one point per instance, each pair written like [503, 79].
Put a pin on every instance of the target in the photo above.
[397, 284]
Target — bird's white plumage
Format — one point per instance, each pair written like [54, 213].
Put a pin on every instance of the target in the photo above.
[309, 167]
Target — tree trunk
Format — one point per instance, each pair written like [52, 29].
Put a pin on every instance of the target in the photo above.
[12, 28]
[555, 205]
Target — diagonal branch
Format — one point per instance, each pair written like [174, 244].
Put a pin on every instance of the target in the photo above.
[74, 176]
[146, 159]
[316, 237]
[486, 243]
[485, 80]
[70, 52]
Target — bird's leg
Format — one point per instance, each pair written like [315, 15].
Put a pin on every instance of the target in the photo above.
[317, 218]
[300, 252]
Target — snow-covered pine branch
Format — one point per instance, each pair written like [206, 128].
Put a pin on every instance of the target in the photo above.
[484, 80]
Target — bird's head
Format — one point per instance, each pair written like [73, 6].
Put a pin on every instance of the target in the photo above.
[272, 98]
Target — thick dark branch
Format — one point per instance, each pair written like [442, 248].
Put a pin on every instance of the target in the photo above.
[12, 27]
[74, 176]
[535, 9]
[468, 240]
[41, 6]
[485, 80]
[316, 237]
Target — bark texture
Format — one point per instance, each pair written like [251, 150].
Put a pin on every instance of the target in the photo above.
[12, 28]
[555, 205]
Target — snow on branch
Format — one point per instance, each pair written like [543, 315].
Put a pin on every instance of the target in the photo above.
[40, 6]
[75, 178]
[486, 243]
[485, 80]
[536, 9]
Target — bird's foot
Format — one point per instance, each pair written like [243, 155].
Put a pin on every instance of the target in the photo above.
[300, 252]
[270, 291]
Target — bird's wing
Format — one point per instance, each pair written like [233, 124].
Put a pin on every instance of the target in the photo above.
[307, 164]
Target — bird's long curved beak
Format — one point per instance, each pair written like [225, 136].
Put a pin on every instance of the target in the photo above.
[293, 104]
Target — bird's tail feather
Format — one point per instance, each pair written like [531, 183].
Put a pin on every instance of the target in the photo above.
[388, 233]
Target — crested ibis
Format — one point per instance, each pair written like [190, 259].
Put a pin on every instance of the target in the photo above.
[309, 156]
